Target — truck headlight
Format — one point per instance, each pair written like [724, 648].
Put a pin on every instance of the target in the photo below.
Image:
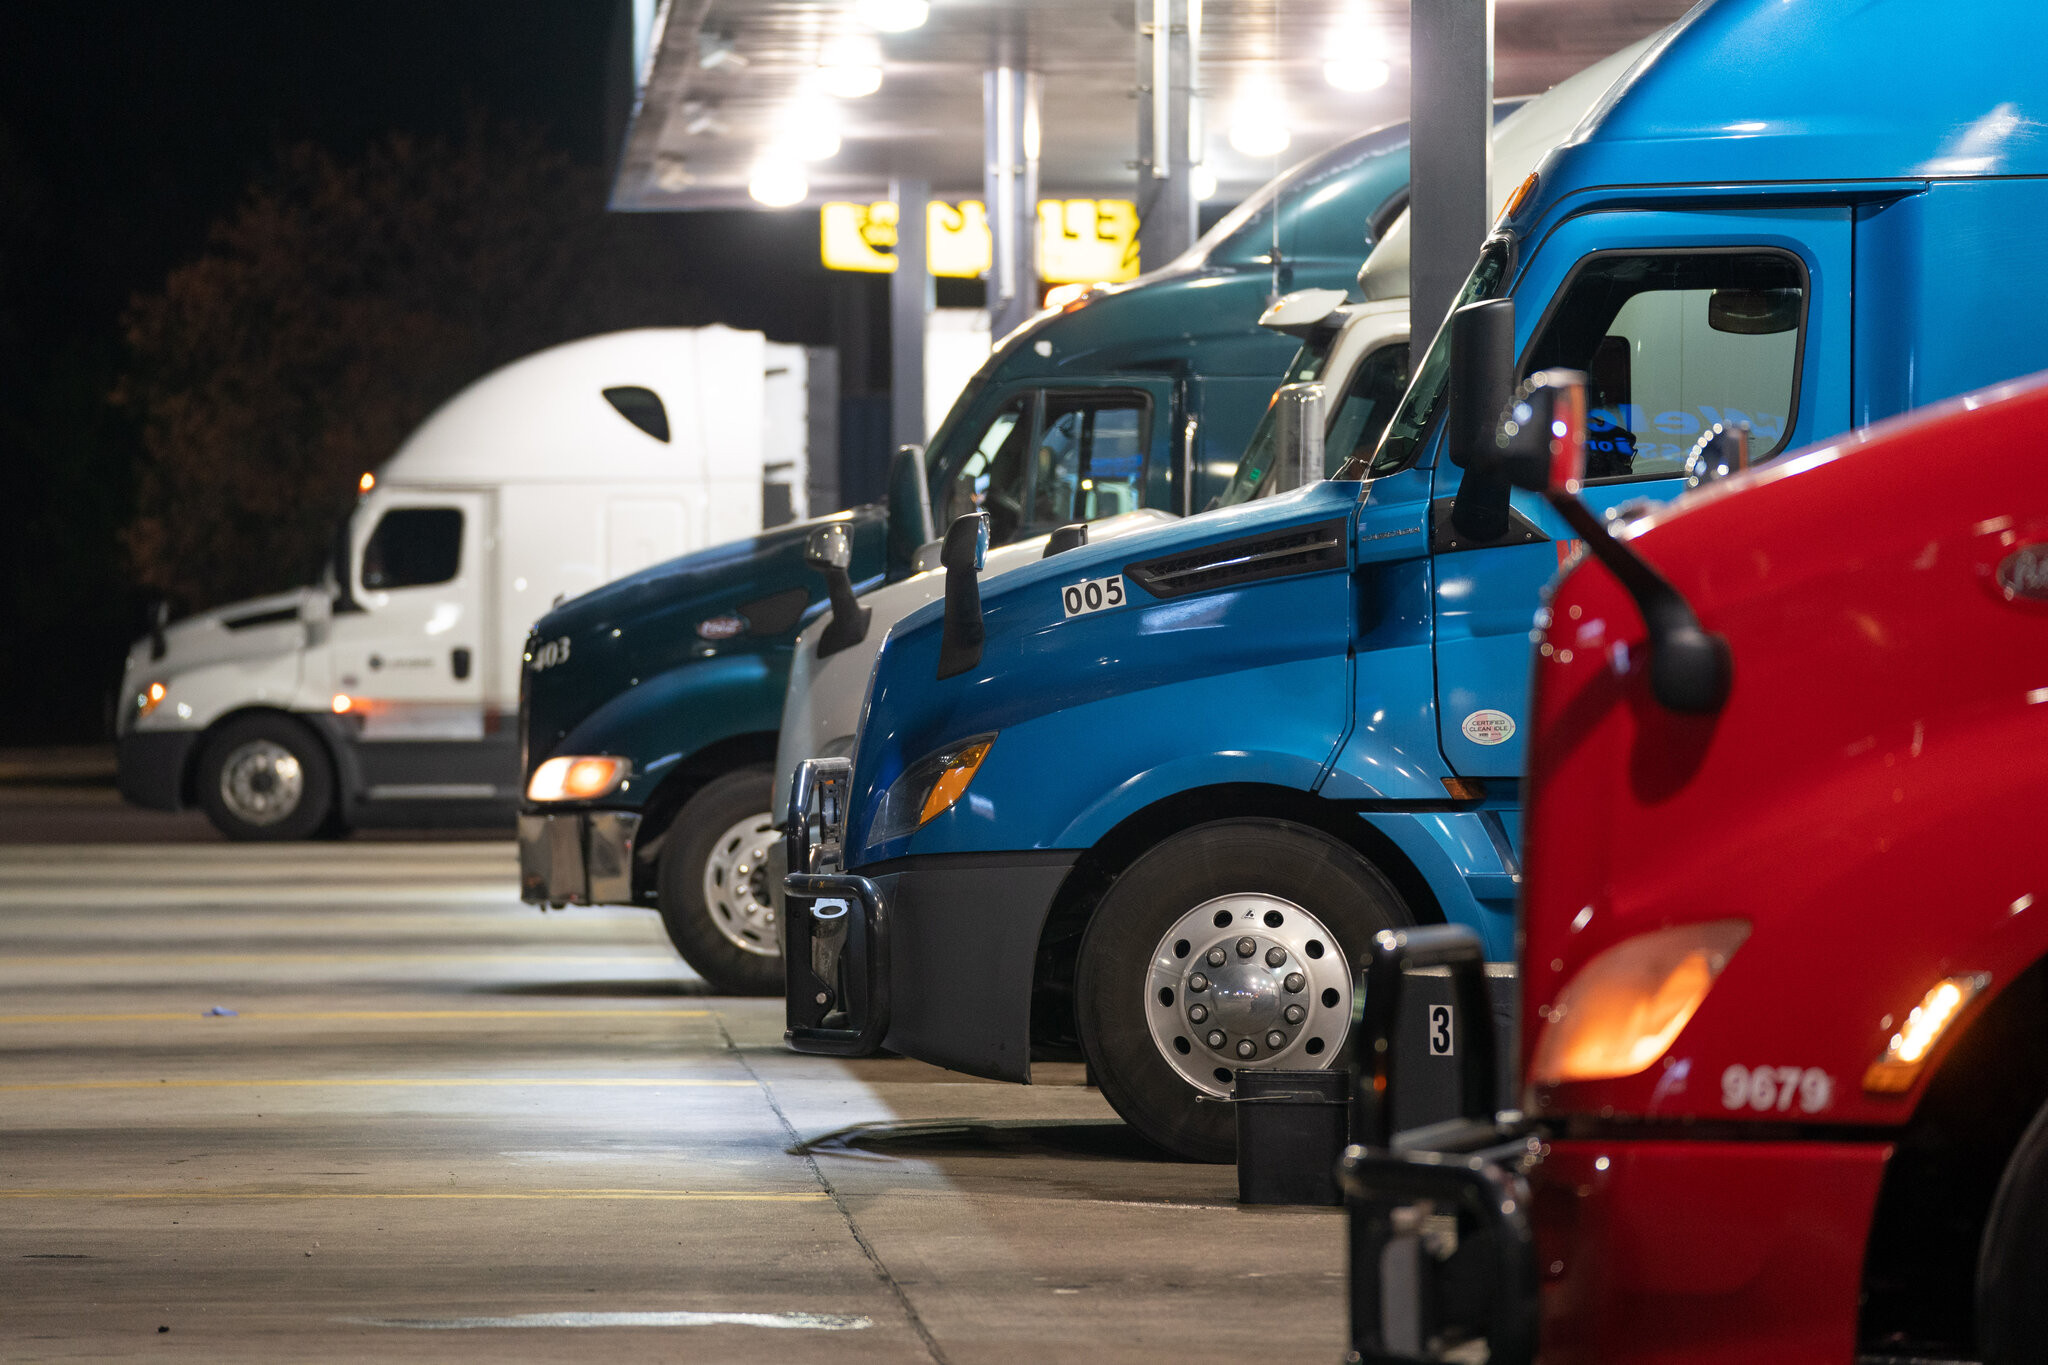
[929, 787]
[577, 779]
[1628, 1005]
[148, 699]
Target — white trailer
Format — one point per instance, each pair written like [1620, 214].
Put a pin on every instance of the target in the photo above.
[388, 692]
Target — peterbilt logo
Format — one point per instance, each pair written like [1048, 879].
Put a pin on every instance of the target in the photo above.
[722, 627]
[2024, 573]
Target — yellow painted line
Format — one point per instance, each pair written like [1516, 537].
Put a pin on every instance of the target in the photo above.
[538, 957]
[452, 1081]
[200, 1016]
[686, 1196]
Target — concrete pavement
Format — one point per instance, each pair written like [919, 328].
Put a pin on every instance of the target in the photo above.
[441, 1125]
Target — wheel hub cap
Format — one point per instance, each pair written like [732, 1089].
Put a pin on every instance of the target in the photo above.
[1247, 981]
[262, 782]
[736, 884]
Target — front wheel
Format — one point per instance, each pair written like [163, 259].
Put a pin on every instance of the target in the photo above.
[715, 897]
[266, 777]
[2012, 1263]
[1228, 946]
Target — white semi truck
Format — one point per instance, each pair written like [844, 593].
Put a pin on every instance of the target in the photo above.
[388, 692]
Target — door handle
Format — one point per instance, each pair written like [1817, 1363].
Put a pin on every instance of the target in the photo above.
[458, 660]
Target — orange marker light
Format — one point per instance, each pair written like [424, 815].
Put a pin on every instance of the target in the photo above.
[343, 703]
[367, 482]
[1518, 198]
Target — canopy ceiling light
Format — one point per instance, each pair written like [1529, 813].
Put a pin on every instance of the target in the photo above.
[1356, 74]
[1258, 125]
[809, 132]
[892, 16]
[778, 184]
[850, 82]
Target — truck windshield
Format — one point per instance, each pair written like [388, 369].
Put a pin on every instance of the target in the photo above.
[1413, 419]
[1306, 366]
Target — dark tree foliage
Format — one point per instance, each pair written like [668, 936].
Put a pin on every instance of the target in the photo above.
[334, 309]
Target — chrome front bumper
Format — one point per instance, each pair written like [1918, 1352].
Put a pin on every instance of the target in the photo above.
[835, 945]
[577, 858]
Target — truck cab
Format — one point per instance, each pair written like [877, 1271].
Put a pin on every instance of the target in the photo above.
[386, 692]
[1137, 396]
[1829, 993]
[1162, 831]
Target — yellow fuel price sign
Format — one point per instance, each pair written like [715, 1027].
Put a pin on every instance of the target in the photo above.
[1079, 240]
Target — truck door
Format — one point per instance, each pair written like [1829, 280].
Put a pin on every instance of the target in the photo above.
[1679, 321]
[411, 662]
[1049, 456]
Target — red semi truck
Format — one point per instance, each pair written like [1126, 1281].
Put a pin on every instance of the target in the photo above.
[1784, 1017]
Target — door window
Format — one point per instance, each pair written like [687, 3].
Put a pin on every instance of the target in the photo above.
[1674, 342]
[991, 478]
[1091, 458]
[413, 547]
[1367, 406]
[1087, 461]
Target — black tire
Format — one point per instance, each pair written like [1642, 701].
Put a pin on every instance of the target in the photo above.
[243, 782]
[690, 918]
[1275, 858]
[2012, 1264]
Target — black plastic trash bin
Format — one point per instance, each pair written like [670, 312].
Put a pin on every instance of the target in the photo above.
[1290, 1133]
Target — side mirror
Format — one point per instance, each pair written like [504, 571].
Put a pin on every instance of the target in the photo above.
[159, 617]
[909, 507]
[1482, 374]
[1542, 446]
[829, 550]
[1297, 437]
[829, 547]
[1070, 537]
[965, 552]
[1720, 451]
[966, 547]
[1542, 441]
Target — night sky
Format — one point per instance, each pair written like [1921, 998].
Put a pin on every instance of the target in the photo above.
[126, 129]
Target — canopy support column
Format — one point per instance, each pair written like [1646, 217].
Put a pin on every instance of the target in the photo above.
[1451, 151]
[910, 305]
[1166, 151]
[1009, 103]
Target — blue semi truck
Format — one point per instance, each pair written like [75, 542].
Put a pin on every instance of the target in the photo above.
[650, 706]
[1149, 799]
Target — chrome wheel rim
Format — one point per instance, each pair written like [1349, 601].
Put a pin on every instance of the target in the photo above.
[736, 884]
[261, 782]
[1247, 981]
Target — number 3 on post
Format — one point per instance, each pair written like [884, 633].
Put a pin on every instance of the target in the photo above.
[1093, 594]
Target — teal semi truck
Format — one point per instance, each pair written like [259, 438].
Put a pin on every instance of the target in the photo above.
[650, 706]
[1151, 799]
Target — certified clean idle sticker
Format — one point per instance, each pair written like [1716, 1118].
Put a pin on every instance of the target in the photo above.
[1094, 594]
[1489, 727]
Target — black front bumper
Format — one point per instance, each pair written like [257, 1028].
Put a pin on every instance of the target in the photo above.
[1443, 1250]
[150, 767]
[931, 957]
